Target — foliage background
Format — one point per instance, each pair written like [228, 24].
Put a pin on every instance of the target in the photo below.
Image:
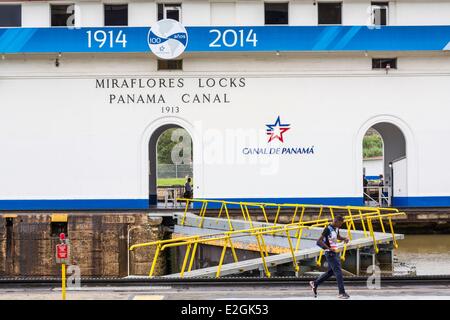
[372, 145]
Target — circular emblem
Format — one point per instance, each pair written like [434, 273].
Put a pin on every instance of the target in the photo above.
[167, 39]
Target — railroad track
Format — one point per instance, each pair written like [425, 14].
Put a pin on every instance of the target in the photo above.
[225, 281]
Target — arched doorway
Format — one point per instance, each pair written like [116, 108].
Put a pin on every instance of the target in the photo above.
[170, 164]
[384, 164]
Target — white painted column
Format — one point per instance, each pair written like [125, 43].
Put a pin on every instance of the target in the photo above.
[142, 13]
[35, 14]
[90, 14]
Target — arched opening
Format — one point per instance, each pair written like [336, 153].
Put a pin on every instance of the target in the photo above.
[384, 165]
[170, 165]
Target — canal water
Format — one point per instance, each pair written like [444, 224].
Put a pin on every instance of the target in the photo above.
[428, 254]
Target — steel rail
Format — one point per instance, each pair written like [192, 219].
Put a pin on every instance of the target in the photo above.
[8, 282]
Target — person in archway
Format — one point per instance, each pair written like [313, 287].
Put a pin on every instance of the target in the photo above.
[188, 189]
[381, 184]
[328, 242]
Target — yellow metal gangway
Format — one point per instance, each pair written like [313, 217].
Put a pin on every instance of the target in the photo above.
[293, 230]
[297, 210]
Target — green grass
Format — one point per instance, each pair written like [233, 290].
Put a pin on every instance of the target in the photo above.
[171, 182]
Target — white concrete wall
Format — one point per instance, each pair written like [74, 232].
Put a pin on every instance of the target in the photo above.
[354, 12]
[195, 13]
[35, 14]
[373, 167]
[142, 13]
[393, 13]
[422, 13]
[400, 168]
[63, 140]
[223, 13]
[60, 139]
[249, 12]
[302, 13]
[90, 14]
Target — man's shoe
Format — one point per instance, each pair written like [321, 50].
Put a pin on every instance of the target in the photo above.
[343, 296]
[313, 288]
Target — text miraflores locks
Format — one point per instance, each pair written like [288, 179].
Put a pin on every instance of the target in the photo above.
[159, 90]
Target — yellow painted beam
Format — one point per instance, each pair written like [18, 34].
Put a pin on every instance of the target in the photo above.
[59, 217]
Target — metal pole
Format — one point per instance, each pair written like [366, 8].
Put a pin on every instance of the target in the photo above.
[128, 247]
[63, 280]
[379, 196]
[128, 251]
[391, 166]
[358, 261]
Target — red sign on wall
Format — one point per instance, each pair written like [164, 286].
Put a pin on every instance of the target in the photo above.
[62, 253]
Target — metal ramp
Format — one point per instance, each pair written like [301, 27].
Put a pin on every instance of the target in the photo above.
[277, 241]
[277, 244]
[271, 261]
[308, 248]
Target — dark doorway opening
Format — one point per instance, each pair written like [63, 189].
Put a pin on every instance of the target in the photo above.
[384, 162]
[170, 165]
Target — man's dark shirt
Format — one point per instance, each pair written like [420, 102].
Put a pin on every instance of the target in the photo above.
[330, 236]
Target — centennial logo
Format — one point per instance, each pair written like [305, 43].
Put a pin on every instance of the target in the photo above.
[167, 39]
[276, 130]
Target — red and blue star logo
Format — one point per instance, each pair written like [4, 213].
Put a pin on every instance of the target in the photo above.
[276, 130]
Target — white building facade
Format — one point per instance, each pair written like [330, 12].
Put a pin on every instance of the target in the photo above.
[276, 99]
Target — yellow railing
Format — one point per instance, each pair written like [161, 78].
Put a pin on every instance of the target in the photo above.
[224, 207]
[226, 238]
[295, 209]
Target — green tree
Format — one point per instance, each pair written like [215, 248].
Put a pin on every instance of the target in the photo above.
[165, 145]
[372, 145]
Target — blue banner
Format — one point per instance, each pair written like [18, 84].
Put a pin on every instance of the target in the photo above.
[224, 39]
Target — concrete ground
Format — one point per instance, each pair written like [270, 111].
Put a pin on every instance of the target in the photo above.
[328, 292]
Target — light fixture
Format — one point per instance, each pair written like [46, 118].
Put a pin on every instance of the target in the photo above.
[277, 53]
[3, 57]
[366, 53]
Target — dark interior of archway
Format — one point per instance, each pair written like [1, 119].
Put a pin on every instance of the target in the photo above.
[394, 144]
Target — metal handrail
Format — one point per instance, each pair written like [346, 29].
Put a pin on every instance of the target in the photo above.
[244, 207]
[227, 236]
[380, 194]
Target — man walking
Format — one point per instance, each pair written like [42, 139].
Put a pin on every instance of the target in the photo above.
[328, 242]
